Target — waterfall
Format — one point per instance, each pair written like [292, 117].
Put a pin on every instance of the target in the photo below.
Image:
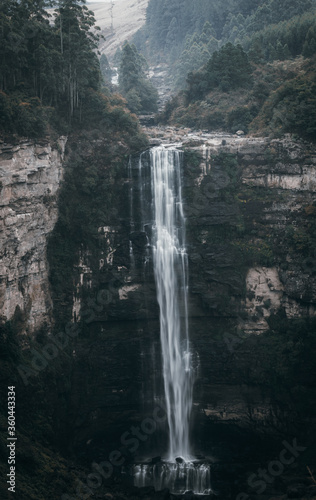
[179, 478]
[178, 471]
[170, 269]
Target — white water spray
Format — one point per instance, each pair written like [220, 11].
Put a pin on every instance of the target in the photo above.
[170, 269]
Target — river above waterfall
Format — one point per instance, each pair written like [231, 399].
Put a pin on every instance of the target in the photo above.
[179, 137]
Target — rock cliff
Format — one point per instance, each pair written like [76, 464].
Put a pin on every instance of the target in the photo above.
[31, 174]
[250, 209]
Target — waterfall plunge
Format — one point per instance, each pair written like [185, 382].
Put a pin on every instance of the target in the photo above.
[171, 276]
[170, 269]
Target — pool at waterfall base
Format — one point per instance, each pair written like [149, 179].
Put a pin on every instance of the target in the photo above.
[178, 476]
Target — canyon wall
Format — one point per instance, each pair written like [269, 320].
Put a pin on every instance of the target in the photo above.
[30, 174]
[250, 208]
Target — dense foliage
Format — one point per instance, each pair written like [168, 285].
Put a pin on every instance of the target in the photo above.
[292, 107]
[185, 34]
[253, 68]
[278, 98]
[227, 69]
[106, 70]
[139, 92]
[49, 70]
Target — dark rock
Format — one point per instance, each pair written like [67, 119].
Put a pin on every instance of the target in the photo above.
[311, 491]
[155, 142]
[296, 491]
[189, 495]
[156, 460]
[179, 460]
[148, 491]
[147, 120]
[139, 239]
[162, 495]
[233, 216]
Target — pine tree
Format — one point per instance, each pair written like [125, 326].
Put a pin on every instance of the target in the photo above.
[105, 69]
[80, 66]
[134, 83]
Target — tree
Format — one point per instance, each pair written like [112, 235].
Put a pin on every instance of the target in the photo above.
[133, 82]
[309, 47]
[173, 34]
[255, 52]
[48, 71]
[80, 66]
[105, 69]
[229, 68]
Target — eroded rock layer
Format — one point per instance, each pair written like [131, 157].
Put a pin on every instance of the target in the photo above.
[31, 175]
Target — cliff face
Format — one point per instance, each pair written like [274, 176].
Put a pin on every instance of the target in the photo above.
[250, 208]
[251, 234]
[30, 178]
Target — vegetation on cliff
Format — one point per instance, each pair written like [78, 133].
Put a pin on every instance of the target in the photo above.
[275, 98]
[50, 78]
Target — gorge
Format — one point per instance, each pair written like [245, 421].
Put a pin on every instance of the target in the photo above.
[157, 250]
[250, 218]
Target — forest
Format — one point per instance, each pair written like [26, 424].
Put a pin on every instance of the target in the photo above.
[241, 65]
[187, 34]
[51, 78]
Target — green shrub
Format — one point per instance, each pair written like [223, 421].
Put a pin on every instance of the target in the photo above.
[239, 119]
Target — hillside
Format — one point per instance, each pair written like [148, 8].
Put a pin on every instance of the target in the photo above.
[240, 66]
[184, 35]
[128, 17]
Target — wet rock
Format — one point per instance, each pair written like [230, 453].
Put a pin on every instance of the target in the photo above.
[162, 495]
[147, 120]
[139, 239]
[189, 495]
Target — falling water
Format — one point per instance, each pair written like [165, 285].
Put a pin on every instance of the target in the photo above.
[178, 471]
[179, 478]
[170, 269]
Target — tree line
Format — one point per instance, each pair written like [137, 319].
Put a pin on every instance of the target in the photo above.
[185, 34]
[47, 60]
